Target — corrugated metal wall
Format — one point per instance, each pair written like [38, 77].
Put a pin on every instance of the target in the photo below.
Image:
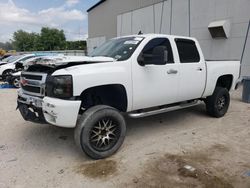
[168, 17]
[180, 17]
[103, 19]
[245, 68]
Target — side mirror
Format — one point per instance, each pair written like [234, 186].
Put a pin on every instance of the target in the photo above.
[159, 56]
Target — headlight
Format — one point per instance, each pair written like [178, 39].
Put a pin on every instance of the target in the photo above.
[59, 86]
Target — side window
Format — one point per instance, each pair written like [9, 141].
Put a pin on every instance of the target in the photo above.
[187, 50]
[26, 58]
[157, 42]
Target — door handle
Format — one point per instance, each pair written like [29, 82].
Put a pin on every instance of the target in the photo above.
[199, 69]
[172, 71]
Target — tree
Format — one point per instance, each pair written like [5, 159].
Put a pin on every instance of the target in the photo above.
[52, 39]
[24, 41]
[48, 39]
[6, 46]
[76, 45]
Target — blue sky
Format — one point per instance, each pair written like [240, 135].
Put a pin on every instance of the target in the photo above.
[31, 15]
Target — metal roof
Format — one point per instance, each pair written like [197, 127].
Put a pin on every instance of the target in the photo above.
[96, 5]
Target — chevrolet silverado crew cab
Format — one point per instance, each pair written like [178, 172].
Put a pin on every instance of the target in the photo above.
[137, 75]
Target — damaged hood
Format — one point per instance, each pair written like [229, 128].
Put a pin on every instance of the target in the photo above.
[64, 60]
[51, 64]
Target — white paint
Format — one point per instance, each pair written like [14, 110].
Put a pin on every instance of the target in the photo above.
[146, 86]
[192, 78]
[62, 113]
[150, 85]
[153, 80]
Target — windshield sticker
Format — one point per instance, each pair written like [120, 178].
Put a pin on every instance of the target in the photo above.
[118, 57]
[138, 38]
[131, 42]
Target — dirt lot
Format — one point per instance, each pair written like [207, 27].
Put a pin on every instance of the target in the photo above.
[154, 153]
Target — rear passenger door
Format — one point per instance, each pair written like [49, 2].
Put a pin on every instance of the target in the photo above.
[192, 70]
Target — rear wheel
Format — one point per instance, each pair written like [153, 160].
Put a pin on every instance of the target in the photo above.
[100, 132]
[217, 104]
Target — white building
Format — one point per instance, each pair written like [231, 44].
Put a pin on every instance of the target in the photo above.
[221, 26]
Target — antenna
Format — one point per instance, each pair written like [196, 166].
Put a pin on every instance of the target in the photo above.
[140, 33]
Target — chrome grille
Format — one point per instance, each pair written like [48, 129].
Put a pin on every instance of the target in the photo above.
[33, 83]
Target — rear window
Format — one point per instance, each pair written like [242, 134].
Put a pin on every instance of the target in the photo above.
[187, 50]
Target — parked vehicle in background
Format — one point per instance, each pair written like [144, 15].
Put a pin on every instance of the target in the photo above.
[5, 56]
[14, 78]
[138, 75]
[8, 65]
[6, 60]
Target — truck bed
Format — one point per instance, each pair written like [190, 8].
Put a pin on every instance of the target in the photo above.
[217, 68]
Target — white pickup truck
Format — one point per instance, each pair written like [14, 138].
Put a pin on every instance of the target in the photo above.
[137, 75]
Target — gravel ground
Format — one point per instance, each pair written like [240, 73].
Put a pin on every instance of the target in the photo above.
[154, 153]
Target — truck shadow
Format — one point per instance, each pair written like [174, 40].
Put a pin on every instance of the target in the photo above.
[48, 138]
[168, 119]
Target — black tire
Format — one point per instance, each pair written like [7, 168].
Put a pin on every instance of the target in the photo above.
[16, 82]
[217, 104]
[6, 73]
[89, 131]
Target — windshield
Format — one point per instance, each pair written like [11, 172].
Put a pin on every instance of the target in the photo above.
[120, 49]
[12, 58]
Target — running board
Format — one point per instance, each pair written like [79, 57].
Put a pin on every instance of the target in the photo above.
[163, 110]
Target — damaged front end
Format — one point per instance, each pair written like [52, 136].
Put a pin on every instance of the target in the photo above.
[30, 108]
[44, 98]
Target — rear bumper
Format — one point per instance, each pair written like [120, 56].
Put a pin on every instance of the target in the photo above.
[58, 112]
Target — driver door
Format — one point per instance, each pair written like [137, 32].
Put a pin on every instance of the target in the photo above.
[155, 84]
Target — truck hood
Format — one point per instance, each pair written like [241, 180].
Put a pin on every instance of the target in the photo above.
[65, 62]
[2, 63]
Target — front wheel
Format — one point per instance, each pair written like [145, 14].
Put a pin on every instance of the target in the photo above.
[100, 131]
[6, 73]
[217, 104]
[16, 82]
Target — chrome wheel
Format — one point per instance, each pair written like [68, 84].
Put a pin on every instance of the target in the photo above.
[100, 131]
[104, 134]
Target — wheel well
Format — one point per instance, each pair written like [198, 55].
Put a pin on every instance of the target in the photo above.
[7, 70]
[112, 95]
[225, 81]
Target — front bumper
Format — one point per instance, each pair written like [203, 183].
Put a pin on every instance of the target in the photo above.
[58, 112]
